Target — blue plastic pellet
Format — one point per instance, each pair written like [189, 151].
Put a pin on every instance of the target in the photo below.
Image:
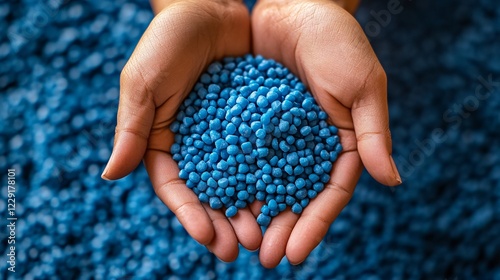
[263, 220]
[231, 211]
[215, 203]
[296, 208]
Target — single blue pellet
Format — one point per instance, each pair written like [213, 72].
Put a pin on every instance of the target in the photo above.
[267, 169]
[286, 105]
[304, 161]
[230, 191]
[205, 176]
[263, 220]
[277, 173]
[222, 165]
[250, 179]
[190, 167]
[227, 201]
[265, 119]
[300, 183]
[324, 133]
[214, 157]
[260, 195]
[213, 88]
[263, 152]
[236, 110]
[243, 168]
[296, 208]
[298, 170]
[232, 139]
[215, 202]
[183, 174]
[304, 202]
[307, 104]
[322, 115]
[306, 130]
[223, 182]
[240, 204]
[231, 211]
[273, 205]
[333, 140]
[264, 209]
[260, 133]
[281, 207]
[201, 167]
[301, 194]
[230, 128]
[312, 194]
[290, 200]
[271, 189]
[292, 158]
[243, 195]
[220, 193]
[232, 150]
[245, 130]
[203, 197]
[246, 147]
[210, 192]
[280, 189]
[211, 182]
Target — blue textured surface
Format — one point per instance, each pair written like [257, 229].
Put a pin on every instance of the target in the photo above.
[59, 92]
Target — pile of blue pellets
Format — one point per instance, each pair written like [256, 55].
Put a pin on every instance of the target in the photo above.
[250, 131]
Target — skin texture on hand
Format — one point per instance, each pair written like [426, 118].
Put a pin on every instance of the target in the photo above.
[183, 38]
[325, 46]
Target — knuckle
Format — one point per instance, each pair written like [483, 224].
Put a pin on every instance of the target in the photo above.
[340, 188]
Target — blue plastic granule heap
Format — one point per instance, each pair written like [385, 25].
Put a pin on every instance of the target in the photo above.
[250, 131]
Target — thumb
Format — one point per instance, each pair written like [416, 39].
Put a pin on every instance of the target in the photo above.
[371, 124]
[135, 118]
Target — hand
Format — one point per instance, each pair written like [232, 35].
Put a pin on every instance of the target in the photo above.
[176, 47]
[325, 46]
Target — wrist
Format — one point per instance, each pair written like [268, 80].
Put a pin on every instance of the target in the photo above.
[158, 5]
[349, 5]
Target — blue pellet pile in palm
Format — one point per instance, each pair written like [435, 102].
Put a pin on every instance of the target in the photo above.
[250, 131]
[59, 78]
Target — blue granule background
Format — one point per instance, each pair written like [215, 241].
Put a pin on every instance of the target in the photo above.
[59, 75]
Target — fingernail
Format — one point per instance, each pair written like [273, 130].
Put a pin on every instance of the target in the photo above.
[251, 251]
[396, 172]
[221, 260]
[294, 264]
[103, 175]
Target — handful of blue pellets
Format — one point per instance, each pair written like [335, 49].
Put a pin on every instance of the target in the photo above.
[250, 130]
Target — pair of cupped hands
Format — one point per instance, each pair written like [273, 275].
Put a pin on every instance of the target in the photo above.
[318, 40]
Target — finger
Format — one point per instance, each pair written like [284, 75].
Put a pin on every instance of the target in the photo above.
[224, 244]
[246, 229]
[320, 213]
[134, 121]
[371, 124]
[272, 249]
[183, 202]
[151, 70]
